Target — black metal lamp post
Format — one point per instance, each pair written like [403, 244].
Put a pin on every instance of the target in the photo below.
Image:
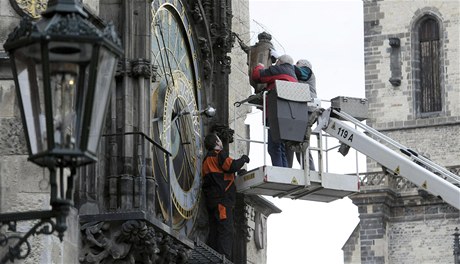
[63, 68]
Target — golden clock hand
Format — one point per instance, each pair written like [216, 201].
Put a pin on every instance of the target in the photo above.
[178, 123]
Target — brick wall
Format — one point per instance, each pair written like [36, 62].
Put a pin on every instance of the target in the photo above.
[421, 241]
[404, 227]
[391, 108]
[384, 19]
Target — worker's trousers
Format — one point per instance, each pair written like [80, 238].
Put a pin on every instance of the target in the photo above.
[277, 152]
[221, 230]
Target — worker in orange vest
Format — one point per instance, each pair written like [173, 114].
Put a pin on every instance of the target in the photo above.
[218, 172]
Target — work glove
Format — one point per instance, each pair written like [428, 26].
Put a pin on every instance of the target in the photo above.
[241, 172]
[273, 53]
[245, 158]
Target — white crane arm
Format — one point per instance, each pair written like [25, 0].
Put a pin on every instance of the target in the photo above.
[391, 159]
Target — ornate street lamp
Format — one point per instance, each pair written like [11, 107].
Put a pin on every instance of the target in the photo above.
[63, 68]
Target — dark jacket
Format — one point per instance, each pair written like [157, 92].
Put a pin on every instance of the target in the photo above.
[284, 72]
[218, 172]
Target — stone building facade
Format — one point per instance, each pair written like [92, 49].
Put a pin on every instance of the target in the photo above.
[412, 60]
[123, 191]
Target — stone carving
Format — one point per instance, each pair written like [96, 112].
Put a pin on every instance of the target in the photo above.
[196, 13]
[171, 251]
[226, 62]
[249, 218]
[141, 67]
[259, 230]
[136, 68]
[131, 241]
[395, 62]
[31, 8]
[206, 55]
[123, 67]
[110, 33]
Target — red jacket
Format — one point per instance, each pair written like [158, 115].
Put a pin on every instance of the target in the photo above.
[284, 72]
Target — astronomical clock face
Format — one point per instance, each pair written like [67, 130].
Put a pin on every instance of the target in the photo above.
[176, 123]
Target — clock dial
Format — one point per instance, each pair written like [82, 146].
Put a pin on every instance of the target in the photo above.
[175, 119]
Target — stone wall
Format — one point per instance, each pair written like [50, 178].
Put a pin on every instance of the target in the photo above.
[401, 228]
[23, 185]
[352, 248]
[393, 106]
[421, 241]
[239, 81]
[407, 226]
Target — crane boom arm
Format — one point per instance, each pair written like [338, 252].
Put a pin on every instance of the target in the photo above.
[391, 159]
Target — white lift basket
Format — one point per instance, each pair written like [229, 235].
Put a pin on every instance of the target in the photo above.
[290, 183]
[293, 183]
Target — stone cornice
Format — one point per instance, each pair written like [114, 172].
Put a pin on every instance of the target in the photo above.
[136, 68]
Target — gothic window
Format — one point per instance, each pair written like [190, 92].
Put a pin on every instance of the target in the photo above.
[429, 92]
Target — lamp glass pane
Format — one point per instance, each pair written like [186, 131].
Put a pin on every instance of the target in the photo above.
[64, 83]
[105, 72]
[31, 93]
[69, 63]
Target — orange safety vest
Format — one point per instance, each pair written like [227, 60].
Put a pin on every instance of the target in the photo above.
[218, 172]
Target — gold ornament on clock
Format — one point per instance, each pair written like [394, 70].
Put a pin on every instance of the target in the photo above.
[31, 8]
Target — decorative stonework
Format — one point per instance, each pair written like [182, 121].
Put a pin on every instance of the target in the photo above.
[31, 8]
[206, 56]
[141, 68]
[387, 180]
[123, 68]
[131, 241]
[395, 61]
[136, 68]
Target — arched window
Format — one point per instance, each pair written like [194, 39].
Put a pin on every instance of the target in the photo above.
[429, 96]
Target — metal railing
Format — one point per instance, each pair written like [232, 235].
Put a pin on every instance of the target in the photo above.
[322, 148]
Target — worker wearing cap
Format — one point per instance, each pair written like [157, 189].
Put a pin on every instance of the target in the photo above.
[304, 73]
[218, 172]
